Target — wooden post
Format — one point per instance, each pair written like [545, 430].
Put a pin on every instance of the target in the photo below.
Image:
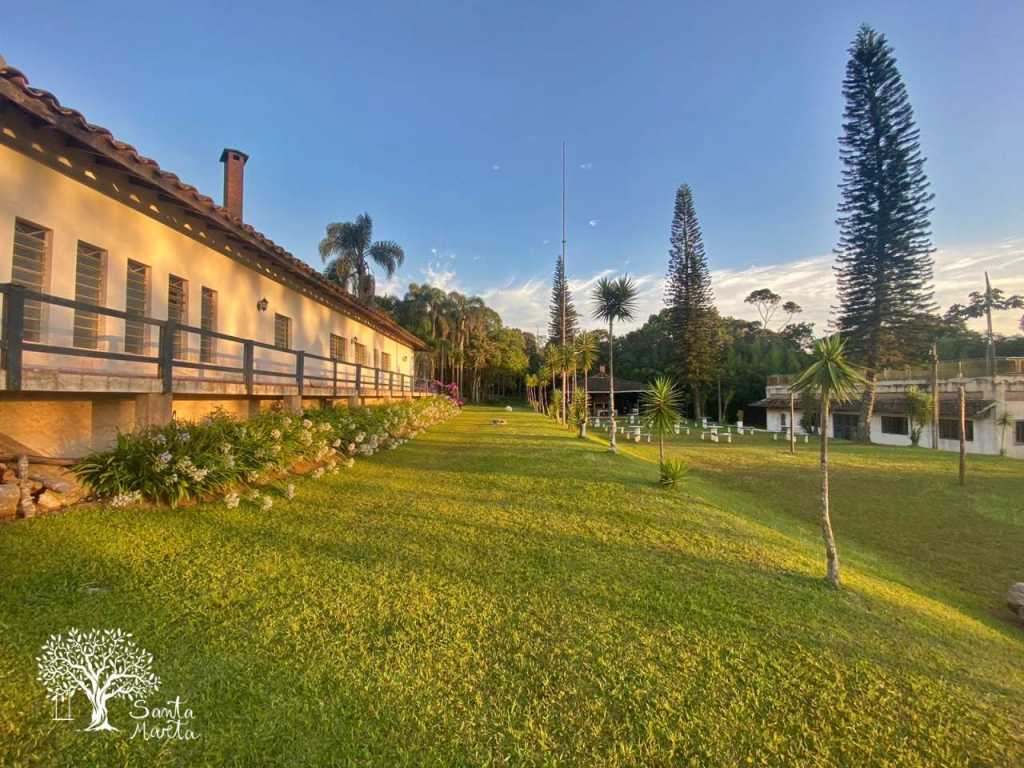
[247, 366]
[792, 422]
[334, 378]
[167, 356]
[300, 371]
[14, 334]
[963, 434]
[935, 396]
[359, 378]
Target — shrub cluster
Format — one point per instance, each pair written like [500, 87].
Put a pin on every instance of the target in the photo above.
[223, 457]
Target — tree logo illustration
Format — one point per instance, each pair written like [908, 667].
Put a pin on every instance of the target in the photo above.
[104, 664]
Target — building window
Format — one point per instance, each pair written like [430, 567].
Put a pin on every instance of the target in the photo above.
[136, 303]
[1020, 433]
[385, 361]
[360, 352]
[782, 419]
[895, 425]
[949, 429]
[28, 268]
[282, 332]
[88, 290]
[177, 310]
[208, 322]
[337, 347]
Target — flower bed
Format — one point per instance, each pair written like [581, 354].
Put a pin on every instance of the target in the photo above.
[224, 457]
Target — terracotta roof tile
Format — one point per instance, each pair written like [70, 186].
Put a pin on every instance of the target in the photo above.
[49, 108]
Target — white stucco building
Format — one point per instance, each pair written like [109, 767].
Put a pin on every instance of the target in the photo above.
[988, 397]
[199, 310]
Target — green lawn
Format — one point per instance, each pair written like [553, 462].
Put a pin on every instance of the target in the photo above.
[510, 595]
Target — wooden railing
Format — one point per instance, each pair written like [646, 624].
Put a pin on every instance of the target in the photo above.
[336, 377]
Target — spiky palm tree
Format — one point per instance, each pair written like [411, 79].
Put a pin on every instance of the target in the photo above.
[613, 300]
[831, 377]
[348, 248]
[586, 356]
[660, 404]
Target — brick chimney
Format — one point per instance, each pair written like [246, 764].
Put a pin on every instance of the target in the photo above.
[234, 175]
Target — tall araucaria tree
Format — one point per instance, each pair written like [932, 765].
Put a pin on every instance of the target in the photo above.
[564, 321]
[689, 296]
[884, 256]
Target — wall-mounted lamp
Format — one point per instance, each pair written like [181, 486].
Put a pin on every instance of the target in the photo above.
[262, 304]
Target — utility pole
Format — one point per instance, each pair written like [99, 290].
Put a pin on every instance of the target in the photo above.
[935, 396]
[565, 419]
[963, 434]
[990, 348]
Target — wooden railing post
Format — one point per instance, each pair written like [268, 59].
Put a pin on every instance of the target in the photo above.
[167, 356]
[359, 378]
[14, 334]
[391, 384]
[247, 366]
[300, 370]
[376, 381]
[334, 378]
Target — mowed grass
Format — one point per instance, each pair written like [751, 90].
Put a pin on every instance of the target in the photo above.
[510, 595]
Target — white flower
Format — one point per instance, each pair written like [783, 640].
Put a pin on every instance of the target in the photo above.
[289, 491]
[231, 500]
[325, 427]
[266, 504]
[276, 434]
[337, 443]
[306, 423]
[184, 436]
[160, 439]
[126, 499]
[360, 436]
[318, 473]
[164, 458]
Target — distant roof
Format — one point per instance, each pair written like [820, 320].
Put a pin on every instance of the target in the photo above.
[597, 383]
[895, 405]
[43, 106]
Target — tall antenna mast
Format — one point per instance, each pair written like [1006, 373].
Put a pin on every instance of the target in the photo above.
[563, 240]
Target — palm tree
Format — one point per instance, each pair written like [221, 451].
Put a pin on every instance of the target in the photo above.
[348, 248]
[586, 356]
[831, 377]
[661, 410]
[553, 361]
[613, 300]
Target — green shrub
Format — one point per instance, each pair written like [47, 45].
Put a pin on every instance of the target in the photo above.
[672, 472]
[221, 455]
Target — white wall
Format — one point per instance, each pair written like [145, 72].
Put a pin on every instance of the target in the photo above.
[986, 440]
[73, 211]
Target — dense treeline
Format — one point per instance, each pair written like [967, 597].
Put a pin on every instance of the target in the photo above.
[467, 344]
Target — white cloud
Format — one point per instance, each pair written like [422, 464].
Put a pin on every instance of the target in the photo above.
[440, 275]
[808, 282]
[592, 223]
[495, 167]
[586, 166]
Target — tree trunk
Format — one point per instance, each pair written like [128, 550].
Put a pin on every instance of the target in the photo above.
[792, 422]
[867, 409]
[831, 555]
[98, 719]
[698, 403]
[611, 385]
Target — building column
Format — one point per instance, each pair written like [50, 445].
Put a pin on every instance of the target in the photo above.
[153, 410]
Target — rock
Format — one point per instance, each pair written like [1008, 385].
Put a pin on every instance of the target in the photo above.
[50, 501]
[1015, 599]
[56, 479]
[10, 495]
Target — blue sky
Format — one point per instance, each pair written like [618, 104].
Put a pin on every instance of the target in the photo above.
[445, 122]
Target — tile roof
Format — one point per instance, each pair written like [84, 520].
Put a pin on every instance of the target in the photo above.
[597, 383]
[14, 87]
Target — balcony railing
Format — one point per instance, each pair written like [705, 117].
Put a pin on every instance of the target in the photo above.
[972, 368]
[303, 373]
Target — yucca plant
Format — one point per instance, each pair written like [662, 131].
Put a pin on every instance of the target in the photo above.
[660, 404]
[832, 378]
[672, 472]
